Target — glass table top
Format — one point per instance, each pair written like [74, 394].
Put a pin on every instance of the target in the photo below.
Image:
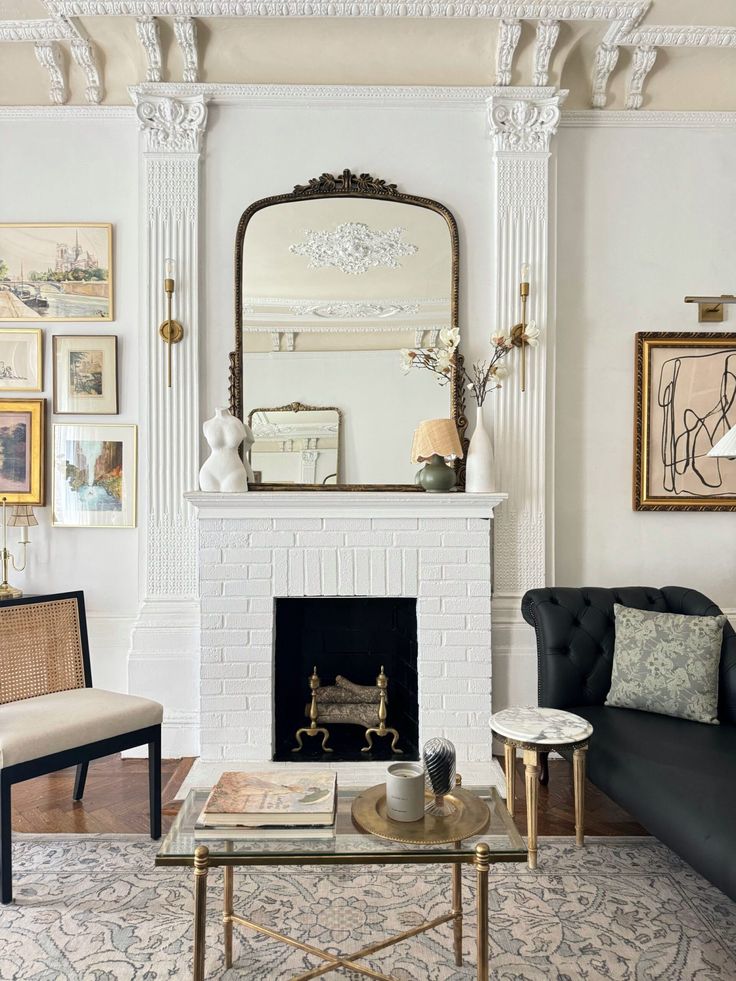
[348, 843]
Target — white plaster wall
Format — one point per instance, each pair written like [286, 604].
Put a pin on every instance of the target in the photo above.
[84, 170]
[646, 216]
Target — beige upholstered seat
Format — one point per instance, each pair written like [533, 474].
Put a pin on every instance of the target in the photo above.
[35, 727]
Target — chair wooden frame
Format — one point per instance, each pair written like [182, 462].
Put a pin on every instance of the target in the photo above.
[78, 756]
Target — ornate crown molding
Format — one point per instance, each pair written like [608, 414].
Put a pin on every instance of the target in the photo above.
[84, 55]
[509, 32]
[524, 122]
[547, 33]
[149, 35]
[185, 31]
[172, 125]
[627, 12]
[47, 29]
[643, 62]
[604, 61]
[50, 57]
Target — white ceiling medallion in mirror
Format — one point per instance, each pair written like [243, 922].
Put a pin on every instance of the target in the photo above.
[353, 310]
[354, 247]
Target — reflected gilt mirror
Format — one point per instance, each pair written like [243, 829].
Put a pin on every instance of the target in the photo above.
[295, 444]
[332, 282]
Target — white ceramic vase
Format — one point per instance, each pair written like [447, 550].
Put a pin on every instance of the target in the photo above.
[479, 473]
[223, 470]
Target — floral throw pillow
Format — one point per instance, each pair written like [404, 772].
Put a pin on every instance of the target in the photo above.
[666, 663]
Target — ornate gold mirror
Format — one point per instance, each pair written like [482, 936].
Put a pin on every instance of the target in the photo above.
[332, 282]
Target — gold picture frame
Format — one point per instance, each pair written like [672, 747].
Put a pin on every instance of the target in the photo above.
[22, 451]
[26, 260]
[99, 491]
[14, 362]
[684, 402]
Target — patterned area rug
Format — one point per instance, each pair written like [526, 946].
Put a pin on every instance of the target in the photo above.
[95, 908]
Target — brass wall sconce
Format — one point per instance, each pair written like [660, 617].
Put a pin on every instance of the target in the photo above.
[21, 516]
[710, 308]
[519, 335]
[170, 330]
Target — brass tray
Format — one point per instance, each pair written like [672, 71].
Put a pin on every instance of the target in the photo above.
[470, 817]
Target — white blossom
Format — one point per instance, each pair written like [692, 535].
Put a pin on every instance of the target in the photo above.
[450, 337]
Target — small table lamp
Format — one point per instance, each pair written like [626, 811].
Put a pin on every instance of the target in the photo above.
[726, 445]
[435, 442]
[21, 516]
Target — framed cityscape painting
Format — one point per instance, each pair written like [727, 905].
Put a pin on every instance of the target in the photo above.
[85, 374]
[94, 481]
[21, 368]
[56, 271]
[22, 451]
[685, 401]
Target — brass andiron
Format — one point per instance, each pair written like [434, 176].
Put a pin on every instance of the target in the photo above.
[382, 729]
[313, 729]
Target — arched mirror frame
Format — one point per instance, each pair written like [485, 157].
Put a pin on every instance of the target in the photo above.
[344, 185]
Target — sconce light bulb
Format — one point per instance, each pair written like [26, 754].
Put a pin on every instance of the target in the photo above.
[525, 272]
[169, 268]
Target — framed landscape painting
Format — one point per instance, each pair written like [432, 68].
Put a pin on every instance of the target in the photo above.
[85, 374]
[21, 367]
[685, 401]
[56, 271]
[94, 476]
[22, 451]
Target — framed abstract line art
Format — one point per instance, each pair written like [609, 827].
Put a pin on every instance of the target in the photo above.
[685, 401]
[22, 451]
[56, 271]
[21, 367]
[85, 374]
[94, 480]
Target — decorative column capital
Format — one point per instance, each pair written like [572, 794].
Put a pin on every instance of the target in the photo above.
[171, 125]
[524, 119]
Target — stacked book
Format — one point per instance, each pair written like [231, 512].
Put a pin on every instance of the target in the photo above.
[267, 805]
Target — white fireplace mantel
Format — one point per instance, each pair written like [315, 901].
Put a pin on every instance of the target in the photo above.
[344, 504]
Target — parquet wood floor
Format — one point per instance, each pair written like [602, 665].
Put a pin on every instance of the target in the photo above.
[116, 800]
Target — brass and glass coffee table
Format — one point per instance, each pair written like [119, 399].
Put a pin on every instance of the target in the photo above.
[500, 842]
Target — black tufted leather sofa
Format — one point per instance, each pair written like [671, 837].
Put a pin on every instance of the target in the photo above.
[678, 778]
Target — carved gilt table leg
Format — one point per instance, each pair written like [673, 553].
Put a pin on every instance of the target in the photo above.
[201, 860]
[482, 867]
[509, 754]
[531, 772]
[578, 770]
[457, 909]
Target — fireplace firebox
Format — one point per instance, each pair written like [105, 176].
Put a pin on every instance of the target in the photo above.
[352, 638]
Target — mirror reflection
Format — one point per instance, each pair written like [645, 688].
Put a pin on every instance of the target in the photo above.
[295, 444]
[333, 288]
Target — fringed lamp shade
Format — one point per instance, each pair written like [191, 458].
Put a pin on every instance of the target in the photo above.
[435, 436]
[726, 445]
[22, 516]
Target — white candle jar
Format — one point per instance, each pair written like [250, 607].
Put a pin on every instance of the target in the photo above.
[405, 791]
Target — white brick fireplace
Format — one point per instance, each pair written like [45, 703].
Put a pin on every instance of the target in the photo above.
[256, 547]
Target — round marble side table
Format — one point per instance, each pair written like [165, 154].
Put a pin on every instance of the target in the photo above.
[535, 731]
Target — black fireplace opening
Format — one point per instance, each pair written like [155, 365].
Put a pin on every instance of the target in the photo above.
[350, 637]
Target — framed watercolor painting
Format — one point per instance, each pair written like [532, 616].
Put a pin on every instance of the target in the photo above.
[21, 366]
[685, 401]
[22, 450]
[94, 483]
[56, 271]
[85, 374]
